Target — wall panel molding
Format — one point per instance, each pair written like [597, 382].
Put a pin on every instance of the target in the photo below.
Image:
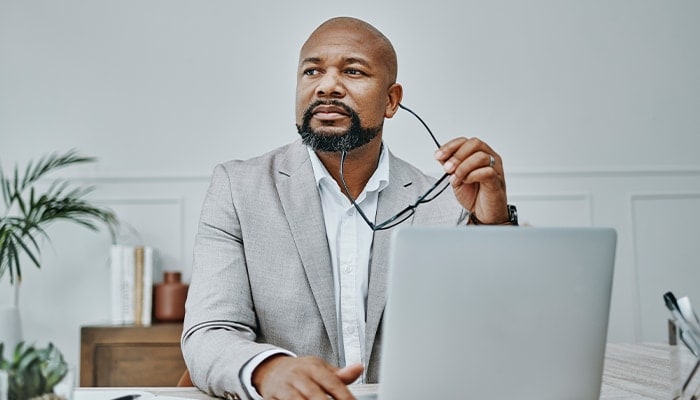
[614, 172]
[149, 201]
[667, 225]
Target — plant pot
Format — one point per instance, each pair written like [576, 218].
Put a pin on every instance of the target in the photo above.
[10, 328]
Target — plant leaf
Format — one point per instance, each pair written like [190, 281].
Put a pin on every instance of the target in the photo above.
[27, 250]
[5, 184]
[38, 209]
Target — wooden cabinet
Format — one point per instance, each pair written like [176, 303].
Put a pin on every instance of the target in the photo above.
[138, 356]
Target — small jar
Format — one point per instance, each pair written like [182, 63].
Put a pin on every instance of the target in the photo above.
[169, 298]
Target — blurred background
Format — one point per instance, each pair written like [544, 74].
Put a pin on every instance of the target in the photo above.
[594, 107]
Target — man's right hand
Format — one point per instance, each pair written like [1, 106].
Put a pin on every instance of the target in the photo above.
[290, 378]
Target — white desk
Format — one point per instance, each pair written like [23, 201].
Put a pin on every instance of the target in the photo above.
[102, 393]
[637, 371]
[632, 371]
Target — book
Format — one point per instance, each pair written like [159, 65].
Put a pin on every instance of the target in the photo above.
[147, 300]
[131, 278]
[115, 265]
[138, 285]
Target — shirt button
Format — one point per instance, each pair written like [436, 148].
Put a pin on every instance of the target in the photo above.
[347, 269]
[350, 330]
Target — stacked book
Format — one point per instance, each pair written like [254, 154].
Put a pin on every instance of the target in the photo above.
[131, 284]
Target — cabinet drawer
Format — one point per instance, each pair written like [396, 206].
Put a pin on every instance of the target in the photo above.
[138, 365]
[136, 356]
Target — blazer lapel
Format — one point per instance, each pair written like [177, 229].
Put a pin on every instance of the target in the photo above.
[300, 199]
[392, 199]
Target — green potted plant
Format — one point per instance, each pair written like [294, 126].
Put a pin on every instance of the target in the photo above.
[33, 373]
[26, 212]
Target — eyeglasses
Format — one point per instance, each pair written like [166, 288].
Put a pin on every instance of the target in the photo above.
[431, 194]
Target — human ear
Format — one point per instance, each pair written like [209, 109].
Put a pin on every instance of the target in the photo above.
[395, 94]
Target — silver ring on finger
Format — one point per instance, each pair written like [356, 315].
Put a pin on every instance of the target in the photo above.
[492, 161]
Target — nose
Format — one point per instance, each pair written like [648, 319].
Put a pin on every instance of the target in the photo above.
[330, 85]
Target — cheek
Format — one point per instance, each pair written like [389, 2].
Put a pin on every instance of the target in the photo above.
[375, 109]
[301, 103]
[298, 110]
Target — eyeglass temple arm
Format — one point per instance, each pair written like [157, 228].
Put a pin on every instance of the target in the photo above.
[422, 122]
[343, 153]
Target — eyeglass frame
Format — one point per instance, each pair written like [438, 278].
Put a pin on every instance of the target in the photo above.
[410, 210]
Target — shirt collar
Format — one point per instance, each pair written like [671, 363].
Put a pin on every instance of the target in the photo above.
[377, 182]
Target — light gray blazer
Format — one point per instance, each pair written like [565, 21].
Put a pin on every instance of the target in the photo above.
[262, 275]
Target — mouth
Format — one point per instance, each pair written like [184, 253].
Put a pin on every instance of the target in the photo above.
[328, 112]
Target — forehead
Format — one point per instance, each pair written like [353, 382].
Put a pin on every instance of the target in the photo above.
[343, 42]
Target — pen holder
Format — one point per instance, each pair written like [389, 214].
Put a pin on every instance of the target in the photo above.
[680, 381]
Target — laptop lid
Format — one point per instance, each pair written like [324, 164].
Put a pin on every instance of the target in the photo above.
[497, 312]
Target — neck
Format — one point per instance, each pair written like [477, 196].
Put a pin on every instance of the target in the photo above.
[359, 166]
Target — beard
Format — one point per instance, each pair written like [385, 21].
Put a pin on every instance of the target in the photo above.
[354, 137]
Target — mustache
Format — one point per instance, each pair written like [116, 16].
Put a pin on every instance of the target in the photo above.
[308, 113]
[356, 136]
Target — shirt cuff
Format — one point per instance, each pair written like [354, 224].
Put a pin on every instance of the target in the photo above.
[246, 374]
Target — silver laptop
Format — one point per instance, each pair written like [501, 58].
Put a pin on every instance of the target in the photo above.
[497, 313]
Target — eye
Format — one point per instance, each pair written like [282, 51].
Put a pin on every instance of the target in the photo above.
[354, 71]
[310, 71]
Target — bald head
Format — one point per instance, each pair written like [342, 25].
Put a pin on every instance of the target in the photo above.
[370, 37]
[346, 83]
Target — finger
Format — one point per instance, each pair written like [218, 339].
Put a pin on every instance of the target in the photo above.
[309, 384]
[335, 388]
[461, 147]
[310, 389]
[293, 394]
[479, 167]
[459, 150]
[446, 150]
[293, 390]
[334, 381]
[484, 177]
[350, 373]
[325, 381]
[297, 378]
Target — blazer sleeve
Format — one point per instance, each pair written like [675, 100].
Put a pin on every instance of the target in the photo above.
[220, 322]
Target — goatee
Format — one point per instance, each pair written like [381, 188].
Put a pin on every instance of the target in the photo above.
[356, 136]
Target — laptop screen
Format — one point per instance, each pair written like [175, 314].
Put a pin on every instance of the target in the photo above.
[496, 312]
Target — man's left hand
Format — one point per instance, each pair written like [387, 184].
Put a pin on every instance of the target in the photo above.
[477, 178]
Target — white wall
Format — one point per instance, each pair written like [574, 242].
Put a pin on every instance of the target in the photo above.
[593, 105]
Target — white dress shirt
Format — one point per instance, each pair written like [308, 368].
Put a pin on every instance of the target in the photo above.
[350, 242]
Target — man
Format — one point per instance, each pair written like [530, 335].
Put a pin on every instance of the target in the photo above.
[289, 282]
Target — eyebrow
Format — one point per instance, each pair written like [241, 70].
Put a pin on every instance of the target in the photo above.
[311, 60]
[347, 60]
[355, 60]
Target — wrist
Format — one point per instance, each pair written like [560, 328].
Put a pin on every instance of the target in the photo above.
[512, 217]
[264, 369]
